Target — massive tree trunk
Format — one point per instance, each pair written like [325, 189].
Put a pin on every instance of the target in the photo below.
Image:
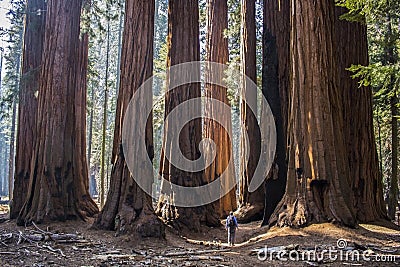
[183, 46]
[128, 208]
[58, 188]
[317, 184]
[217, 51]
[275, 89]
[27, 109]
[251, 205]
[365, 179]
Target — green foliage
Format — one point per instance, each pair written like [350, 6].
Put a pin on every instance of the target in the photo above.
[13, 37]
[373, 10]
[233, 31]
[233, 34]
[375, 75]
[382, 17]
[382, 74]
[99, 15]
[203, 29]
[12, 58]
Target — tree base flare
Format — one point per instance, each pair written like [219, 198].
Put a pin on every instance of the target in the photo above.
[190, 219]
[146, 225]
[249, 213]
[298, 213]
[87, 209]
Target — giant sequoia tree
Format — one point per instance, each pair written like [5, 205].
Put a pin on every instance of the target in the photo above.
[27, 108]
[251, 204]
[58, 186]
[275, 87]
[128, 208]
[217, 51]
[318, 172]
[183, 46]
[365, 179]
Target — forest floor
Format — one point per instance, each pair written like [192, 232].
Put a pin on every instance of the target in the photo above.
[316, 245]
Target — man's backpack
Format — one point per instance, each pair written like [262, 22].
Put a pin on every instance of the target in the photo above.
[231, 222]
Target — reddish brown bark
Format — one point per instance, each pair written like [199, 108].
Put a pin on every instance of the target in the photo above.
[365, 179]
[275, 89]
[183, 46]
[27, 108]
[58, 188]
[251, 205]
[317, 184]
[80, 109]
[128, 208]
[217, 51]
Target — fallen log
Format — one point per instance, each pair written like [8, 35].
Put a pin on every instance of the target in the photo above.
[185, 253]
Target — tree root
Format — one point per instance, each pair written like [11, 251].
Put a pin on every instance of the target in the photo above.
[249, 213]
[145, 224]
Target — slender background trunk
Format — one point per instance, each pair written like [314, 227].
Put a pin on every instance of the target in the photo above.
[12, 149]
[394, 186]
[103, 173]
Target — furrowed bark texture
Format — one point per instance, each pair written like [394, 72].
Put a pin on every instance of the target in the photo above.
[128, 209]
[183, 46]
[365, 179]
[318, 187]
[58, 181]
[275, 89]
[217, 51]
[251, 205]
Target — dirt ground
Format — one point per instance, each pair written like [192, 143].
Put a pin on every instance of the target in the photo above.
[283, 246]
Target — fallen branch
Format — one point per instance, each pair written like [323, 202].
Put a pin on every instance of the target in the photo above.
[185, 253]
[22, 238]
[5, 238]
[199, 258]
[34, 253]
[52, 237]
[69, 241]
[53, 249]
[40, 230]
[113, 256]
[7, 253]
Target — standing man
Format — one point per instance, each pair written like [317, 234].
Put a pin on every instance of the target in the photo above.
[231, 226]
